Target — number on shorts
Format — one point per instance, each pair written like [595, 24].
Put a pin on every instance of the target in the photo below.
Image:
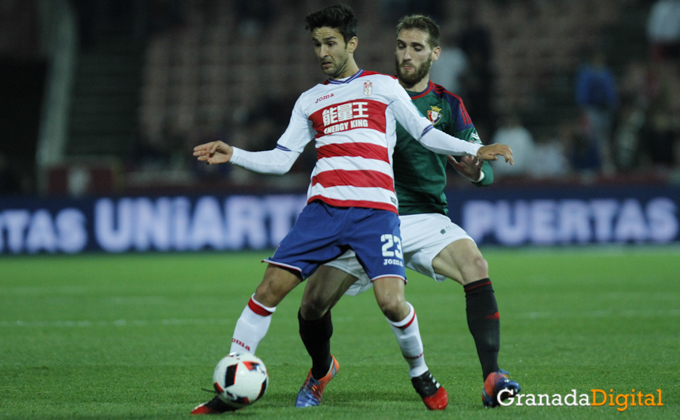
[391, 246]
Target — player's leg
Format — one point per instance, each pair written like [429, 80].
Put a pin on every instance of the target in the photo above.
[462, 261]
[255, 319]
[323, 290]
[254, 322]
[389, 293]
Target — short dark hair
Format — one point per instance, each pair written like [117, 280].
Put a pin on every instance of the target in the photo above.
[422, 23]
[339, 16]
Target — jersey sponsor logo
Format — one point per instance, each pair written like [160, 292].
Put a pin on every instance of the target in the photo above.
[434, 114]
[323, 98]
[368, 88]
[348, 116]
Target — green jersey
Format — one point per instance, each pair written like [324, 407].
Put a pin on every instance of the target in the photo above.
[419, 174]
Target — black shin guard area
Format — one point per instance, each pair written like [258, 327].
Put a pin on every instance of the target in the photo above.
[484, 323]
[316, 335]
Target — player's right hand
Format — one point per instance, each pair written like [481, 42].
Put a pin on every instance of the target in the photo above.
[214, 152]
[491, 151]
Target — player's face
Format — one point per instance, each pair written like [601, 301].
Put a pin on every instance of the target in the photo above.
[332, 52]
[414, 56]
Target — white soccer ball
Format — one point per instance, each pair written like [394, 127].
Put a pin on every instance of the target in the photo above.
[240, 379]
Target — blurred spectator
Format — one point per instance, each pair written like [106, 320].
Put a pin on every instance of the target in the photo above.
[663, 29]
[582, 149]
[451, 67]
[253, 15]
[627, 137]
[550, 160]
[659, 139]
[520, 140]
[597, 97]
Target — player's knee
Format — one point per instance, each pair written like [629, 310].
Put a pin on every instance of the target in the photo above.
[394, 308]
[476, 268]
[311, 309]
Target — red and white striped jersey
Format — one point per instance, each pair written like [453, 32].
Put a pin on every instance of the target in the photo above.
[353, 121]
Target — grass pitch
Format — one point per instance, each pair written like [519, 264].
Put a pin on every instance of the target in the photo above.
[137, 336]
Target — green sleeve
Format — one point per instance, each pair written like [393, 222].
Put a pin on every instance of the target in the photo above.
[471, 136]
[488, 175]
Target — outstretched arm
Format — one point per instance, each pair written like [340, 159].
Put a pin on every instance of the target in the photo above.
[214, 153]
[276, 161]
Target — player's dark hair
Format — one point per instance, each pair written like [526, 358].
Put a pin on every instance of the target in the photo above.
[422, 23]
[339, 16]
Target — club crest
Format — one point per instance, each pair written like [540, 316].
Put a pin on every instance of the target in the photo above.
[368, 88]
[434, 114]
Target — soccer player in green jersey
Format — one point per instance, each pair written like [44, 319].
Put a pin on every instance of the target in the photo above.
[432, 244]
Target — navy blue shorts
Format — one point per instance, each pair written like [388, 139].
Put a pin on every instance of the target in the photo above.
[323, 232]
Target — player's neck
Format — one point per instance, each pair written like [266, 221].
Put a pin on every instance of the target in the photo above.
[418, 87]
[348, 71]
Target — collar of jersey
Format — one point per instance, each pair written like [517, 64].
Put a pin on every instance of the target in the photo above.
[414, 95]
[345, 80]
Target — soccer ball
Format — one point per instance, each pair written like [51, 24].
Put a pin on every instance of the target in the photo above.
[240, 379]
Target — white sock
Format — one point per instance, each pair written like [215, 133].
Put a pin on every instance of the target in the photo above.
[251, 327]
[410, 343]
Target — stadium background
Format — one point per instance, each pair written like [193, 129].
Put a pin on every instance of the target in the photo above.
[101, 102]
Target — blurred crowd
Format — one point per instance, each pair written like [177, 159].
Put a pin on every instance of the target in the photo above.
[624, 119]
[621, 114]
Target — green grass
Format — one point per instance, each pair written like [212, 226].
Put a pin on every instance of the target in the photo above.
[137, 336]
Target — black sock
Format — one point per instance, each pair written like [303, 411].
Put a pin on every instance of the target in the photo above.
[484, 323]
[316, 335]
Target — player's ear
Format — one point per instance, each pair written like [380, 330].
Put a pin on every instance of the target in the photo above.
[435, 53]
[352, 44]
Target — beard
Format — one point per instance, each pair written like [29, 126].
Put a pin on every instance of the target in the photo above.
[415, 77]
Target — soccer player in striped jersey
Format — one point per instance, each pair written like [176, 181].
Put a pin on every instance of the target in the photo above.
[432, 244]
[351, 202]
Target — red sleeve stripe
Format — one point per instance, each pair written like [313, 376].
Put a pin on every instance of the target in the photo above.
[364, 150]
[257, 308]
[355, 203]
[360, 179]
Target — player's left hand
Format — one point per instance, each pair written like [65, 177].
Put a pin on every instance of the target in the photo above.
[491, 151]
[468, 166]
[214, 153]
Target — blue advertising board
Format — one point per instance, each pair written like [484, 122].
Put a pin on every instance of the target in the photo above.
[509, 217]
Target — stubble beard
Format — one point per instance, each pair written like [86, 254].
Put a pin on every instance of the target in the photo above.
[411, 79]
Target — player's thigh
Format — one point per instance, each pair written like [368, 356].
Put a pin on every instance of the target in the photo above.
[275, 285]
[349, 263]
[426, 236]
[376, 239]
[323, 290]
[461, 261]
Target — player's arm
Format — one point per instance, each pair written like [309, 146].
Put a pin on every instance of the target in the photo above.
[437, 141]
[276, 161]
[477, 171]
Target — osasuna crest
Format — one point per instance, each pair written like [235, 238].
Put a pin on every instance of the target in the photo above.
[434, 114]
[368, 88]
